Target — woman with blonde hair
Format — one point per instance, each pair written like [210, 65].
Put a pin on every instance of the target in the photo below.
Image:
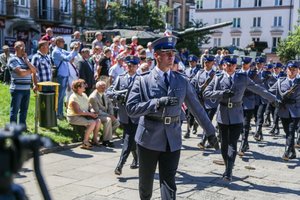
[78, 114]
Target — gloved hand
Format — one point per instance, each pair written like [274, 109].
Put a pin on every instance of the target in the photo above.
[121, 98]
[213, 141]
[167, 101]
[228, 93]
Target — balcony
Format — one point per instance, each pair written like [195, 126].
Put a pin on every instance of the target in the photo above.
[22, 11]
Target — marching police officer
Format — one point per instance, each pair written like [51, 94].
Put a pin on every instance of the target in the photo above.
[277, 73]
[229, 88]
[156, 97]
[200, 82]
[248, 104]
[124, 83]
[288, 91]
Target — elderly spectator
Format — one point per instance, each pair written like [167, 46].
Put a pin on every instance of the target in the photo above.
[103, 106]
[61, 59]
[98, 40]
[4, 57]
[76, 38]
[149, 51]
[86, 71]
[122, 44]
[104, 65]
[21, 70]
[41, 60]
[78, 114]
[117, 69]
[134, 44]
[48, 35]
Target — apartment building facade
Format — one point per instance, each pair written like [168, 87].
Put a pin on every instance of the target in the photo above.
[253, 20]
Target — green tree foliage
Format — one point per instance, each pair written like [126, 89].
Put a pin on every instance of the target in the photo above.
[289, 48]
[138, 15]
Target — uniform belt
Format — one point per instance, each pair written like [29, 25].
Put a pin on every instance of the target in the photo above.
[231, 104]
[165, 120]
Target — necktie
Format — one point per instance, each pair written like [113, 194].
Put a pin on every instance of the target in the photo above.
[166, 79]
[291, 83]
[103, 101]
[206, 74]
[230, 81]
[130, 80]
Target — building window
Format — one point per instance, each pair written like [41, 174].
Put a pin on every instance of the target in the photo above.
[257, 3]
[218, 4]
[255, 39]
[276, 40]
[21, 2]
[277, 21]
[278, 2]
[217, 42]
[236, 22]
[256, 21]
[236, 42]
[90, 6]
[236, 3]
[199, 4]
[65, 6]
[218, 20]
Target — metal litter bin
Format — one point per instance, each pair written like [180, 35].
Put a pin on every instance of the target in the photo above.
[46, 105]
[47, 114]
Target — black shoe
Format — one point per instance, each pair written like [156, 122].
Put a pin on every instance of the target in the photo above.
[258, 137]
[292, 156]
[187, 135]
[194, 132]
[285, 156]
[108, 144]
[208, 146]
[118, 170]
[201, 145]
[134, 165]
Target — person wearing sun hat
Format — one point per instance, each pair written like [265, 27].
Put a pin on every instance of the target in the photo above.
[156, 97]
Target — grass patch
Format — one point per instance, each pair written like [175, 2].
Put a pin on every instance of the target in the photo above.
[62, 134]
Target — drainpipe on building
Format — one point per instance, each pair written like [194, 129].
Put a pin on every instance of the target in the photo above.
[290, 17]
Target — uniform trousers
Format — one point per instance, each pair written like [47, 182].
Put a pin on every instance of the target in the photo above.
[229, 138]
[289, 127]
[129, 143]
[167, 164]
[260, 114]
[247, 123]
[210, 113]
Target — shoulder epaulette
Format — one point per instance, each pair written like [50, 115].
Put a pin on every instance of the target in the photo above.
[124, 74]
[145, 73]
[181, 74]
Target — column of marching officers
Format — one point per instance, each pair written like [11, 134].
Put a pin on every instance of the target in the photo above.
[234, 95]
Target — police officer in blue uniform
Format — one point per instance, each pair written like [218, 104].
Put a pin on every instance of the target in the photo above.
[191, 73]
[119, 92]
[248, 105]
[277, 73]
[200, 82]
[266, 80]
[229, 87]
[288, 91]
[156, 97]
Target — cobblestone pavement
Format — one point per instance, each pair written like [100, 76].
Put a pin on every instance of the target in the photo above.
[89, 175]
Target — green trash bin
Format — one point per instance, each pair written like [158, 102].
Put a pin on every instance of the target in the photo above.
[47, 114]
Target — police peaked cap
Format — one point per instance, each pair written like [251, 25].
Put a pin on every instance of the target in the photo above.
[260, 60]
[132, 60]
[208, 58]
[166, 43]
[193, 58]
[246, 59]
[293, 63]
[231, 59]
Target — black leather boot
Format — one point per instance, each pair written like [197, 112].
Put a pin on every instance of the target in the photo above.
[135, 163]
[195, 128]
[187, 134]
[258, 136]
[118, 170]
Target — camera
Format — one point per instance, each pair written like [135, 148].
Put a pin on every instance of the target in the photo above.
[15, 149]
